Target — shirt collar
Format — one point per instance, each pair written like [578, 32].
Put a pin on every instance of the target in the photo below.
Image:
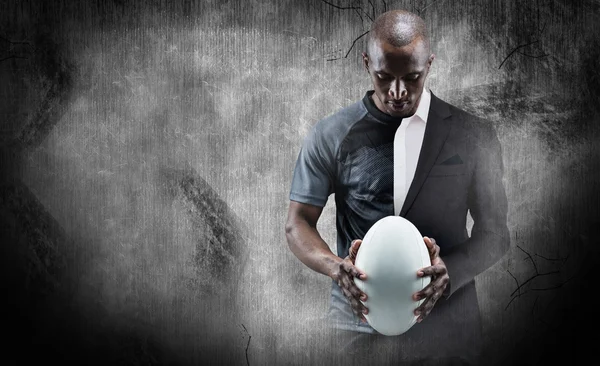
[423, 109]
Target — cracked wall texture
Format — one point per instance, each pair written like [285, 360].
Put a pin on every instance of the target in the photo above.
[148, 148]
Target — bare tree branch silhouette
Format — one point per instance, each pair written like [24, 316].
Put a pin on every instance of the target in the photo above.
[518, 293]
[350, 49]
[359, 10]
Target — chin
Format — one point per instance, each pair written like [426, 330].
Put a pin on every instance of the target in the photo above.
[400, 114]
[396, 114]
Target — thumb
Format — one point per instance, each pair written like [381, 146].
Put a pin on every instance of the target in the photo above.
[354, 248]
[428, 242]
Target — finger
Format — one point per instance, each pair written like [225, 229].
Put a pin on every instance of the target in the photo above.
[355, 291]
[428, 242]
[428, 291]
[349, 267]
[432, 246]
[434, 288]
[354, 248]
[357, 306]
[425, 308]
[348, 283]
[432, 271]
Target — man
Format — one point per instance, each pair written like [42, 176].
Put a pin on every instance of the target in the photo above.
[403, 151]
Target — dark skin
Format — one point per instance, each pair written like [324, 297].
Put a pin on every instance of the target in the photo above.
[398, 75]
[306, 243]
[439, 280]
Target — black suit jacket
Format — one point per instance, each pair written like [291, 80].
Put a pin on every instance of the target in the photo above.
[459, 169]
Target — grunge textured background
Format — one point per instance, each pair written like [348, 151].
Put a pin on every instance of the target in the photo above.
[147, 150]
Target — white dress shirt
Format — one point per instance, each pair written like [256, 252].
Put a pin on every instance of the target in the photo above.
[407, 146]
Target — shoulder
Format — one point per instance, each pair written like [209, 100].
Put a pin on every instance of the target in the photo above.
[479, 128]
[332, 129]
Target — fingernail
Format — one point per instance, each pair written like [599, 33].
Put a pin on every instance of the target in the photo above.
[363, 298]
[420, 273]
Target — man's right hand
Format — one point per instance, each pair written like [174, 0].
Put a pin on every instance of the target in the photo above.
[344, 273]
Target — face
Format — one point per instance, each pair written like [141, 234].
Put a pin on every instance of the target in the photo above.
[398, 75]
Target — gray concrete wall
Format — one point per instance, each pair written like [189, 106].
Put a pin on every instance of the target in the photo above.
[148, 148]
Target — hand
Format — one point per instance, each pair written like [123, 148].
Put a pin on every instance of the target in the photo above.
[439, 280]
[344, 274]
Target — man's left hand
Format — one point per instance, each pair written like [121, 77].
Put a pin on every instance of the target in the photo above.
[439, 280]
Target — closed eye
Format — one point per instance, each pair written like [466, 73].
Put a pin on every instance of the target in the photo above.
[411, 77]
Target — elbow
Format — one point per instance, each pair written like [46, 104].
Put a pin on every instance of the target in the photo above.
[289, 227]
[289, 232]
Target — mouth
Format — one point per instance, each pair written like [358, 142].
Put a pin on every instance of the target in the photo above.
[398, 107]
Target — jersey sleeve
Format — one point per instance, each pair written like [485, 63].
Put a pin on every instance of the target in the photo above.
[313, 179]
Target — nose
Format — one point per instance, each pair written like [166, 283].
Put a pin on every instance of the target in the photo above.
[397, 90]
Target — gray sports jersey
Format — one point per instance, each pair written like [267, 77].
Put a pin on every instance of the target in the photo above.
[349, 154]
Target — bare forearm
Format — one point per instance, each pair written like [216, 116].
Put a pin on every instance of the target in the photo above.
[308, 246]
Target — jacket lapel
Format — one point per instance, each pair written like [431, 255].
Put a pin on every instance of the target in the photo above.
[436, 132]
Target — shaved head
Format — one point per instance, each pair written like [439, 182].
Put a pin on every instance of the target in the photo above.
[397, 28]
[398, 60]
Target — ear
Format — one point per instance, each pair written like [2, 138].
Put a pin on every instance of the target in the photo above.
[365, 59]
[430, 61]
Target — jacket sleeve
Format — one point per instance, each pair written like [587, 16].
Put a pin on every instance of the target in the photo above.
[487, 203]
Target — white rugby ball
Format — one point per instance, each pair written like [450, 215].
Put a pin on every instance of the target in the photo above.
[390, 254]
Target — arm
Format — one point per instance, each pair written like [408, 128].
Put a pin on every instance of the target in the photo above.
[305, 241]
[307, 245]
[488, 205]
